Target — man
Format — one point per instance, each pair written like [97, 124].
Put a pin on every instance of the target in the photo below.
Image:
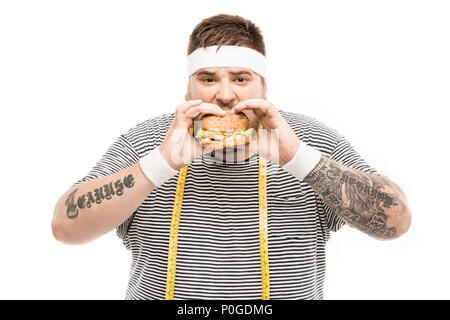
[244, 223]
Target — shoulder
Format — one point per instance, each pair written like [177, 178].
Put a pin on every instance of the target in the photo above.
[148, 134]
[313, 131]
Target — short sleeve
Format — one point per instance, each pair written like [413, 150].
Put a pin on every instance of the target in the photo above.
[345, 154]
[120, 155]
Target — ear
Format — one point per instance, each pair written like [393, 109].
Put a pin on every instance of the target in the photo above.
[264, 88]
[187, 96]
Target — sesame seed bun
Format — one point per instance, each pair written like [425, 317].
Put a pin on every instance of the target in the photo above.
[224, 126]
[230, 122]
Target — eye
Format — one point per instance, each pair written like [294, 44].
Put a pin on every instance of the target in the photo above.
[241, 79]
[209, 80]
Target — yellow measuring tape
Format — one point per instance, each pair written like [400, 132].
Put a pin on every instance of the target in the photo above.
[263, 234]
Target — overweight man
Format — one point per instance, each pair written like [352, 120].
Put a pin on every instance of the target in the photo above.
[249, 222]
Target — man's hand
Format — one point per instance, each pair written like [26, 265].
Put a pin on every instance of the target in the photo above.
[179, 146]
[277, 141]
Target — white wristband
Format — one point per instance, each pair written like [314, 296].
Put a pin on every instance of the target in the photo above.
[156, 168]
[303, 161]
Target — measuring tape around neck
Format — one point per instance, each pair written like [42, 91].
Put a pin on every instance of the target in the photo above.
[263, 231]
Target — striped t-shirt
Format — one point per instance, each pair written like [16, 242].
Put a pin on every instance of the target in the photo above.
[218, 253]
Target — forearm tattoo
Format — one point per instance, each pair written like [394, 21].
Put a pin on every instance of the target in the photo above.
[106, 192]
[357, 197]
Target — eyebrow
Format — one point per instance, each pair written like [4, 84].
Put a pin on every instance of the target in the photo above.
[209, 73]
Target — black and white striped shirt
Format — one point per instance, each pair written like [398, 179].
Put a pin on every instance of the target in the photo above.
[218, 243]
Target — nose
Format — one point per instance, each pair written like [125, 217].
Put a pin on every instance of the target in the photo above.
[225, 94]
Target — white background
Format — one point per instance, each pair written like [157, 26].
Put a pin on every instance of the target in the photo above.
[76, 74]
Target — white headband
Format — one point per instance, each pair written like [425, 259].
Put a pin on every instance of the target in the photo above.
[227, 56]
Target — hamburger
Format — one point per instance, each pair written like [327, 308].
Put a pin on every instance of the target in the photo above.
[231, 130]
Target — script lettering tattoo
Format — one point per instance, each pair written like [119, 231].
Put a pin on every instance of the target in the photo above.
[119, 187]
[90, 200]
[128, 181]
[109, 191]
[360, 199]
[97, 196]
[81, 202]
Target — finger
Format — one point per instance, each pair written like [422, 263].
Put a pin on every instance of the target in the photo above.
[207, 149]
[201, 150]
[252, 101]
[205, 108]
[254, 104]
[188, 104]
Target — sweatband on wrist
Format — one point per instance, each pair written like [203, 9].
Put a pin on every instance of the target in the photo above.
[227, 56]
[156, 168]
[303, 162]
